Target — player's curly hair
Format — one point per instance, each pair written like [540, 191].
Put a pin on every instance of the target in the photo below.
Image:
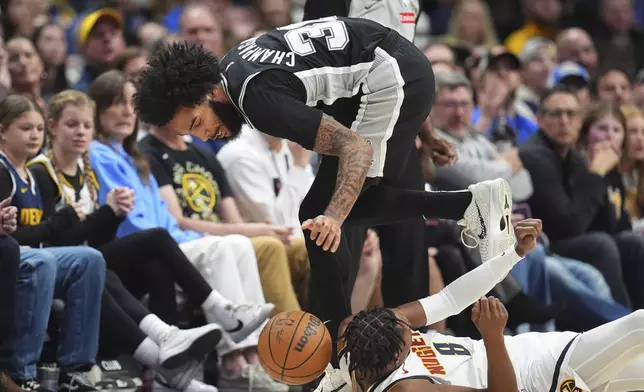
[181, 74]
[374, 339]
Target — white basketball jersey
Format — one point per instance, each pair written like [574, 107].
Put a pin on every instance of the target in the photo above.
[448, 360]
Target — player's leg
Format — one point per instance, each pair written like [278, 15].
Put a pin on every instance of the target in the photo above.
[329, 271]
[399, 94]
[603, 353]
[631, 378]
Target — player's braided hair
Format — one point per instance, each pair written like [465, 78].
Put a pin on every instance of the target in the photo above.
[180, 75]
[374, 339]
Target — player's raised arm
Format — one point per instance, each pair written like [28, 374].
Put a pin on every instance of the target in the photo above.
[355, 156]
[467, 289]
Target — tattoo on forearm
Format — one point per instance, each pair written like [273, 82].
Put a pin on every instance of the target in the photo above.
[355, 156]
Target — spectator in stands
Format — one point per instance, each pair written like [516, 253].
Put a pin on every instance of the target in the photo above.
[149, 33]
[615, 87]
[75, 275]
[100, 39]
[25, 68]
[199, 25]
[605, 127]
[9, 269]
[498, 114]
[541, 20]
[569, 211]
[440, 53]
[575, 45]
[194, 186]
[573, 77]
[274, 13]
[132, 61]
[619, 42]
[538, 58]
[638, 90]
[149, 261]
[17, 19]
[632, 166]
[5, 76]
[51, 45]
[471, 26]
[228, 263]
[478, 158]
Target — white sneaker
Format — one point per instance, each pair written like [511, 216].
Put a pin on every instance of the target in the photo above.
[274, 385]
[487, 220]
[182, 345]
[248, 380]
[178, 379]
[242, 319]
[333, 382]
[198, 386]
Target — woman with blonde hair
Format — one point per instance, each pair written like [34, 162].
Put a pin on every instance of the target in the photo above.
[632, 165]
[471, 26]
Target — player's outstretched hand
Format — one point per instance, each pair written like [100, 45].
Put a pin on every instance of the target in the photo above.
[527, 231]
[490, 317]
[325, 231]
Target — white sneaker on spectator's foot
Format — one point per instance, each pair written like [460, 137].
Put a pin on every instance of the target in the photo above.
[268, 380]
[183, 345]
[198, 386]
[178, 379]
[241, 320]
[487, 219]
[249, 379]
[333, 382]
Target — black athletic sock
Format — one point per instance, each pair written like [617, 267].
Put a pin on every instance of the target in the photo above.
[446, 205]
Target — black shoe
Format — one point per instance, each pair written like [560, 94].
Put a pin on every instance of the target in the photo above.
[31, 385]
[74, 382]
[524, 309]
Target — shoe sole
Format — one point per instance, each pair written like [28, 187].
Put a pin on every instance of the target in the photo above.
[502, 193]
[198, 350]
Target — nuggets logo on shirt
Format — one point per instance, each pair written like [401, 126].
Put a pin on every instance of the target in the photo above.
[427, 355]
[569, 386]
[197, 190]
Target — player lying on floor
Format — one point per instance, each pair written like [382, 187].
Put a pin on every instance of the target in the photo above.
[380, 351]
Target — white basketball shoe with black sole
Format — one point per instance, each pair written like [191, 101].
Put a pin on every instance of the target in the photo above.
[487, 219]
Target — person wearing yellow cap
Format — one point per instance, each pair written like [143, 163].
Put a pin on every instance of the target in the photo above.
[100, 40]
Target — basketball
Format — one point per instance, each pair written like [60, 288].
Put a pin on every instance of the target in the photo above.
[294, 347]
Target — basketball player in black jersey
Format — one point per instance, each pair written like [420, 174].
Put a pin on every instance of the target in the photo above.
[278, 82]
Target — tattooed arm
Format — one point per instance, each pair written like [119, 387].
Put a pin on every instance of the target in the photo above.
[355, 156]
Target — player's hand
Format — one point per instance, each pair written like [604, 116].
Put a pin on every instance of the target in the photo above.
[325, 231]
[490, 317]
[527, 231]
[8, 217]
[442, 151]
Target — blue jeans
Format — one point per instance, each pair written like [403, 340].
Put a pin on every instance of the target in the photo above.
[9, 266]
[581, 285]
[77, 276]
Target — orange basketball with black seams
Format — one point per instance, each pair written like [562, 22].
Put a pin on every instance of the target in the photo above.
[294, 347]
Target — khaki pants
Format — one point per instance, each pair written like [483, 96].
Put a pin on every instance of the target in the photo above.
[282, 269]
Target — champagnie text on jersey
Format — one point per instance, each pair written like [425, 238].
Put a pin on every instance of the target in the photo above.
[249, 51]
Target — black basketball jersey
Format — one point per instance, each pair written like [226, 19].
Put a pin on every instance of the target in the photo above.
[330, 56]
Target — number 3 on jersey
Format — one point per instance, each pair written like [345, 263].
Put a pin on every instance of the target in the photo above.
[451, 349]
[300, 35]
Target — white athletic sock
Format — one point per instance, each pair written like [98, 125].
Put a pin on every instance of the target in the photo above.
[467, 289]
[216, 301]
[147, 353]
[155, 328]
[217, 309]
